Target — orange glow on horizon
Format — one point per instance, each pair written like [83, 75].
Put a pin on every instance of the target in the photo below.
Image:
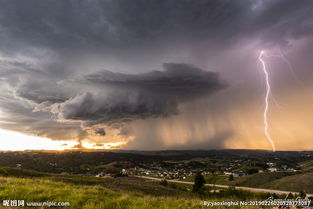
[109, 145]
[14, 141]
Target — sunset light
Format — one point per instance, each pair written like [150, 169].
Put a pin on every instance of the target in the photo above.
[10, 140]
[156, 104]
[14, 141]
[113, 145]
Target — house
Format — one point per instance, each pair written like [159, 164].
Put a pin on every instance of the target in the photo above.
[124, 171]
[273, 169]
[228, 173]
[235, 174]
[100, 174]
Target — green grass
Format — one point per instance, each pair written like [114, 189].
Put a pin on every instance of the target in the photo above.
[279, 180]
[20, 172]
[92, 193]
[96, 196]
[307, 165]
[86, 196]
[298, 182]
[258, 179]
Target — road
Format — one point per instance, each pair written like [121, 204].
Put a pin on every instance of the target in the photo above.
[251, 189]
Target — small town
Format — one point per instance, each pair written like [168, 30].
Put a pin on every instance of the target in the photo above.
[179, 170]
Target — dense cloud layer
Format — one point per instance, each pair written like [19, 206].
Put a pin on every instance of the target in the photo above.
[53, 55]
[114, 24]
[124, 97]
[109, 98]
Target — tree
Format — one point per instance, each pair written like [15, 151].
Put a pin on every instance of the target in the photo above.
[163, 182]
[199, 182]
[252, 171]
[290, 196]
[302, 194]
[231, 177]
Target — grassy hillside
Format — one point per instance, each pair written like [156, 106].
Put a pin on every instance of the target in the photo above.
[299, 182]
[281, 181]
[91, 193]
[257, 180]
[86, 196]
[307, 165]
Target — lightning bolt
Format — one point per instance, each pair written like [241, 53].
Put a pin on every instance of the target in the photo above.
[268, 92]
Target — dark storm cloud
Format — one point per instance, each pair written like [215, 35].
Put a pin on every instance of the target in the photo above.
[46, 90]
[178, 80]
[104, 98]
[125, 97]
[73, 25]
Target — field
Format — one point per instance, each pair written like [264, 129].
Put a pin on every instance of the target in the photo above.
[90, 192]
[307, 165]
[35, 176]
[88, 196]
[280, 180]
[300, 182]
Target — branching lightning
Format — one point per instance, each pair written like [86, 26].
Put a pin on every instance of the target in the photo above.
[268, 92]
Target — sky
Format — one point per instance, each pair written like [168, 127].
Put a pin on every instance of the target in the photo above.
[154, 75]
